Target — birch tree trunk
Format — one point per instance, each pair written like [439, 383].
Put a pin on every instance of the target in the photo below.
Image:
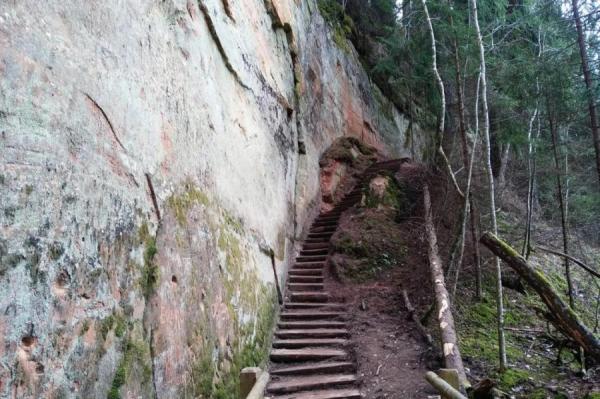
[492, 193]
[440, 83]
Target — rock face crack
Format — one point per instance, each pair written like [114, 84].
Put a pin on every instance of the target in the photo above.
[153, 195]
[215, 36]
[106, 118]
[227, 9]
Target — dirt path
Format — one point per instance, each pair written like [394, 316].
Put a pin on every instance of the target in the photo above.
[391, 354]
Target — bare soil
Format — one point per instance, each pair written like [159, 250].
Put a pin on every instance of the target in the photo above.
[375, 258]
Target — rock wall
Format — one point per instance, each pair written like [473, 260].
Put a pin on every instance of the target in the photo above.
[152, 153]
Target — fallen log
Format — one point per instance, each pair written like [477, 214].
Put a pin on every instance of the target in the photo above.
[562, 316]
[451, 353]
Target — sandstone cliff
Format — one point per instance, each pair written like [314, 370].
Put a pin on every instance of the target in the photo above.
[151, 152]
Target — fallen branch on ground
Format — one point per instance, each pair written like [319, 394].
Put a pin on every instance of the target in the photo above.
[562, 316]
[575, 260]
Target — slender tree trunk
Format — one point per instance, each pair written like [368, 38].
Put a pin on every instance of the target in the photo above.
[470, 207]
[563, 211]
[503, 167]
[440, 83]
[587, 77]
[530, 177]
[466, 209]
[492, 192]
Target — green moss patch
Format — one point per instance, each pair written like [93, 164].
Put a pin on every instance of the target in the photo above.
[341, 23]
[136, 356]
[182, 203]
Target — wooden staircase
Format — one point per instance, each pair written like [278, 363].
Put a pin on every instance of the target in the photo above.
[311, 357]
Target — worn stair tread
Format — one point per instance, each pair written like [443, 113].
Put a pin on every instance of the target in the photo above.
[315, 251]
[311, 258]
[306, 286]
[324, 245]
[316, 240]
[322, 229]
[329, 218]
[305, 279]
[314, 368]
[308, 265]
[310, 333]
[311, 324]
[293, 384]
[308, 342]
[306, 272]
[314, 305]
[306, 314]
[308, 296]
[323, 394]
[319, 235]
[306, 354]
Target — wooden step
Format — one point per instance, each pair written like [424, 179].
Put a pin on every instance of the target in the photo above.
[308, 265]
[311, 258]
[317, 240]
[319, 235]
[324, 394]
[298, 271]
[322, 229]
[324, 222]
[305, 286]
[308, 342]
[309, 333]
[294, 384]
[309, 296]
[306, 354]
[314, 305]
[311, 324]
[329, 218]
[310, 315]
[314, 252]
[324, 245]
[315, 368]
[306, 279]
